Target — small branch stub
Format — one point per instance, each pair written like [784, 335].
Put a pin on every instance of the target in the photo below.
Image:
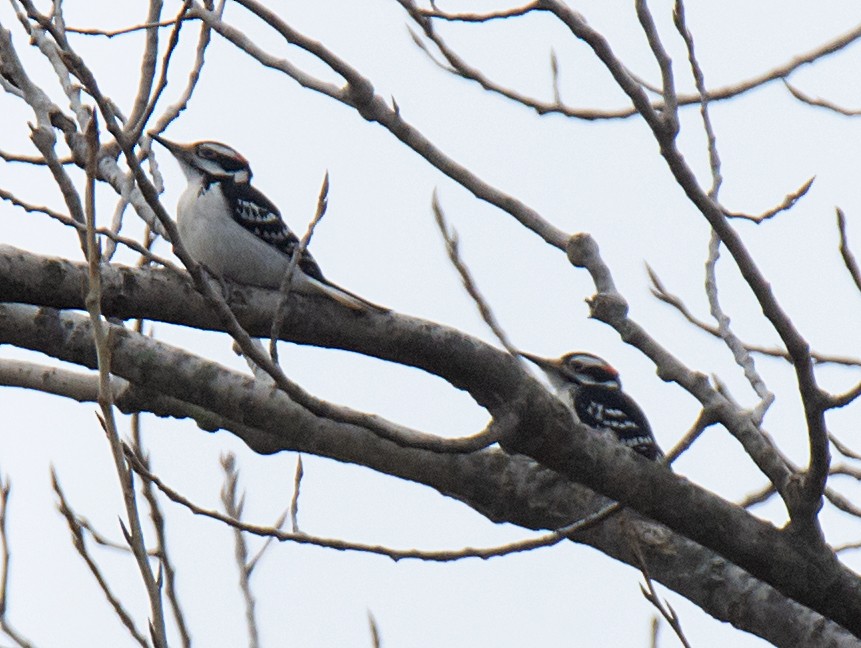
[583, 252]
[581, 249]
[607, 305]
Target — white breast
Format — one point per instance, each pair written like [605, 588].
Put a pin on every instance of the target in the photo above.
[211, 236]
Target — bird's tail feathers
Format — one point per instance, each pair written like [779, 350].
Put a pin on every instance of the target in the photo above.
[346, 298]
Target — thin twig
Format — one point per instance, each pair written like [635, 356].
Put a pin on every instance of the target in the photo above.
[375, 631]
[669, 114]
[788, 203]
[704, 421]
[843, 449]
[842, 503]
[233, 506]
[37, 160]
[819, 103]
[845, 252]
[847, 546]
[650, 593]
[294, 501]
[844, 399]
[545, 540]
[279, 523]
[758, 497]
[144, 101]
[740, 353]
[660, 291]
[102, 540]
[742, 358]
[452, 247]
[295, 260]
[655, 629]
[144, 106]
[147, 66]
[103, 354]
[699, 80]
[780, 73]
[5, 556]
[82, 228]
[173, 111]
[159, 525]
[88, 31]
[480, 17]
[80, 546]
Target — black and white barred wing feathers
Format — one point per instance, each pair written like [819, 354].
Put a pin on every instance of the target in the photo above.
[259, 216]
[614, 410]
[256, 213]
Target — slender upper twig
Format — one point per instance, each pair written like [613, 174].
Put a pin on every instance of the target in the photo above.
[846, 252]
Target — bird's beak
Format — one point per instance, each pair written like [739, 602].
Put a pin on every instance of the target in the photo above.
[161, 140]
[547, 364]
[180, 151]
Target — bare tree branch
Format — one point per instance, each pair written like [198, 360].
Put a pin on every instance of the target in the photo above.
[452, 247]
[845, 252]
[740, 354]
[787, 204]
[560, 444]
[490, 486]
[651, 595]
[525, 420]
[103, 354]
[819, 103]
[669, 112]
[232, 520]
[358, 94]
[660, 292]
[479, 17]
[610, 307]
[78, 542]
[5, 555]
[159, 525]
[111, 33]
[294, 501]
[804, 499]
[296, 257]
[233, 506]
[780, 73]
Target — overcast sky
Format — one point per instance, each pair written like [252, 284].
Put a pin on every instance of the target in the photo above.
[379, 240]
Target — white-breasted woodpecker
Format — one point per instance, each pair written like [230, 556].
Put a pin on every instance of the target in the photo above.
[235, 231]
[591, 388]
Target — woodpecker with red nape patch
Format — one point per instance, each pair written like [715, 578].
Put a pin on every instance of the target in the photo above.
[591, 388]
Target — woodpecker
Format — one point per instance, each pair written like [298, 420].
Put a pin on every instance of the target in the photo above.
[235, 231]
[591, 388]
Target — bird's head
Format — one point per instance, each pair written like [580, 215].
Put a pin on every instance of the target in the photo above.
[579, 368]
[208, 160]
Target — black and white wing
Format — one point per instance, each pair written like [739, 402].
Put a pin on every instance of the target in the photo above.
[614, 410]
[259, 215]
